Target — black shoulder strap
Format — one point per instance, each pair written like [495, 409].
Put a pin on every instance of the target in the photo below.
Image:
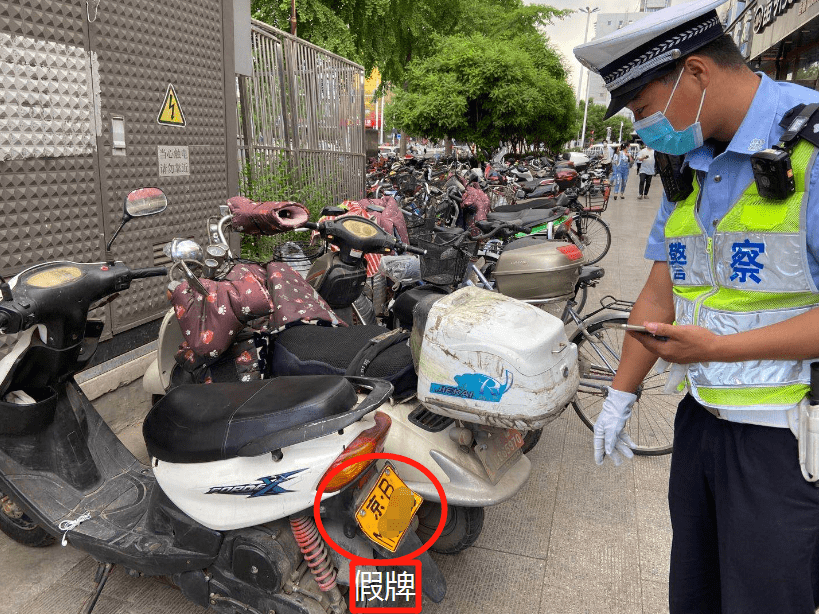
[802, 121]
[358, 365]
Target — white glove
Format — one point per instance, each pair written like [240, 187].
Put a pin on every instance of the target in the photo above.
[608, 430]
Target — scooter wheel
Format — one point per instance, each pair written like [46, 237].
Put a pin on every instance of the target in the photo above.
[530, 440]
[19, 527]
[462, 528]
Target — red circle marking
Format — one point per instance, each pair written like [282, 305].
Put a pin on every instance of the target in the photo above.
[374, 456]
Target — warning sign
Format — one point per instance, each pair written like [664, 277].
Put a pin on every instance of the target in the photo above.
[171, 113]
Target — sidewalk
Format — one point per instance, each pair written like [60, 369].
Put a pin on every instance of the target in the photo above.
[578, 539]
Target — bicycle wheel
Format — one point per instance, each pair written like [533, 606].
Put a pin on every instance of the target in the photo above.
[595, 236]
[651, 425]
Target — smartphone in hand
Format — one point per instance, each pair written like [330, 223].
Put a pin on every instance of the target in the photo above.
[634, 328]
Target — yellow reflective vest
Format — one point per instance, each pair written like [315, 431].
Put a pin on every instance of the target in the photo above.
[753, 272]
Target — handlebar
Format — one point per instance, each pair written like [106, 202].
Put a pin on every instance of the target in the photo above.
[403, 247]
[157, 271]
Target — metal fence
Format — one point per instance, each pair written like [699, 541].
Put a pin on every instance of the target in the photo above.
[301, 113]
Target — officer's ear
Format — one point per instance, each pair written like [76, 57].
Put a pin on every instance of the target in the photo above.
[701, 68]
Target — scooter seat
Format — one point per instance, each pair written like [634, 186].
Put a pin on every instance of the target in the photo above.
[310, 350]
[525, 204]
[212, 422]
[529, 217]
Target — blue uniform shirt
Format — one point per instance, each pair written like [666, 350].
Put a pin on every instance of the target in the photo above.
[729, 174]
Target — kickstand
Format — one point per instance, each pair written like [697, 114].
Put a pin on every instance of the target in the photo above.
[103, 573]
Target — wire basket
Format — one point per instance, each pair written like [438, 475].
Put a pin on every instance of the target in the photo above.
[298, 255]
[448, 255]
[597, 197]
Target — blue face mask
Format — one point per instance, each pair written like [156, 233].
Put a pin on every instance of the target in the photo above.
[658, 133]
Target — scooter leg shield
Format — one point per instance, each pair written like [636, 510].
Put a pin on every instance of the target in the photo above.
[152, 381]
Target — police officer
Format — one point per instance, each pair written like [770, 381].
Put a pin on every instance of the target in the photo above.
[738, 276]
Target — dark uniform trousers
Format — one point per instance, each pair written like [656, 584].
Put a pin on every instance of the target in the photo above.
[745, 521]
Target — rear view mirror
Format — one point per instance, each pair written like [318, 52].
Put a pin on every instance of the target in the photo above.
[140, 203]
[145, 201]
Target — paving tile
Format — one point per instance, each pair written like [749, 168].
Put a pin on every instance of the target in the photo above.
[24, 572]
[655, 597]
[522, 525]
[485, 582]
[68, 600]
[651, 472]
[599, 555]
[654, 534]
[573, 599]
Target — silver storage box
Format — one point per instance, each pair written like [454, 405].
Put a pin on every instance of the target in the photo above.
[539, 269]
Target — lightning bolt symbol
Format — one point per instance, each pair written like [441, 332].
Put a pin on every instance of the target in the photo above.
[172, 107]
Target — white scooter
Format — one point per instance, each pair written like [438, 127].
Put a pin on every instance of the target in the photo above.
[470, 439]
[225, 507]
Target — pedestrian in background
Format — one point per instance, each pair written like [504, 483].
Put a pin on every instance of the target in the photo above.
[646, 159]
[621, 162]
[608, 152]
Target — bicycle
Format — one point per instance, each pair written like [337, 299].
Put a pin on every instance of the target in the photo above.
[651, 425]
[592, 232]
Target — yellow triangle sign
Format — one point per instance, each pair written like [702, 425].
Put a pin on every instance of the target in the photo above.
[171, 113]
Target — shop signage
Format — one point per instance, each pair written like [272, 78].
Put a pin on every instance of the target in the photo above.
[766, 14]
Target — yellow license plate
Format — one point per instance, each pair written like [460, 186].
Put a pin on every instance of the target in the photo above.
[388, 509]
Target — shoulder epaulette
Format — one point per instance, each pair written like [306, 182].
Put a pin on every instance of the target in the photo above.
[801, 122]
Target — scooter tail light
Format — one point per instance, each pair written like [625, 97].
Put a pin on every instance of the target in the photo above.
[370, 441]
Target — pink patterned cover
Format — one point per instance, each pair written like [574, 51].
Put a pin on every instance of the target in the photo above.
[266, 218]
[475, 204]
[390, 219]
[265, 299]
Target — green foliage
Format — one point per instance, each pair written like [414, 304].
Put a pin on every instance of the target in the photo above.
[272, 179]
[485, 89]
[388, 34]
[594, 121]
[382, 33]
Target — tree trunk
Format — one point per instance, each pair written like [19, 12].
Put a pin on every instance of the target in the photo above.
[447, 146]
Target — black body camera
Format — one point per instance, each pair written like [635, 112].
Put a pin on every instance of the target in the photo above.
[773, 173]
[678, 182]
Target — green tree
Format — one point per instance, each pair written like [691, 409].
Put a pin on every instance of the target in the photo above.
[376, 33]
[389, 34]
[595, 122]
[485, 90]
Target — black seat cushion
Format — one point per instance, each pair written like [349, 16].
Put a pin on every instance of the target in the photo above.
[529, 217]
[211, 422]
[309, 350]
[524, 204]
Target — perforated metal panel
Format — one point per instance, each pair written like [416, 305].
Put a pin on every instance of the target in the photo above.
[142, 46]
[63, 78]
[48, 200]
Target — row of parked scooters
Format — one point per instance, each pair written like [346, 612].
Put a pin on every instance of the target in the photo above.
[273, 387]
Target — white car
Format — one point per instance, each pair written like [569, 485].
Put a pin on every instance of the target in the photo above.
[578, 159]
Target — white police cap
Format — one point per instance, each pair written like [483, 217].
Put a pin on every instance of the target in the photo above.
[647, 49]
